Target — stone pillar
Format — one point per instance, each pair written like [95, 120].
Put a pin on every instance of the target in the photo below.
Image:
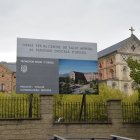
[115, 111]
[46, 104]
[47, 116]
[115, 114]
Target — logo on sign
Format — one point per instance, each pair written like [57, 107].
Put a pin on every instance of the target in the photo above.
[24, 68]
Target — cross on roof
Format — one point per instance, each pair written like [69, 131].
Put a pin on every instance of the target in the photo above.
[131, 29]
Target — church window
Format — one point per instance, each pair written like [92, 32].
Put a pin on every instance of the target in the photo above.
[100, 76]
[113, 85]
[125, 88]
[133, 48]
[112, 74]
[124, 72]
[2, 87]
[111, 61]
[100, 65]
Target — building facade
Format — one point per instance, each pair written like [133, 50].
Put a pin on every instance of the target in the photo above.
[90, 76]
[86, 77]
[112, 66]
[7, 77]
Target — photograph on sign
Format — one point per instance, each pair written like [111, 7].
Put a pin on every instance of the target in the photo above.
[78, 76]
[51, 67]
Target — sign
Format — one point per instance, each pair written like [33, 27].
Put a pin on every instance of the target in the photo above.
[52, 67]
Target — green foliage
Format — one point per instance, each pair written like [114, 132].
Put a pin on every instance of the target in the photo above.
[16, 106]
[134, 66]
[105, 93]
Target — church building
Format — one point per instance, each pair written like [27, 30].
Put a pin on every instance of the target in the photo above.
[112, 66]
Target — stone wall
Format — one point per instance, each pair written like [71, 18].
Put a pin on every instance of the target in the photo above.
[44, 129]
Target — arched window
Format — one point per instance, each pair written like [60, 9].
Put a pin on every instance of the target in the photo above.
[124, 72]
[111, 61]
[133, 47]
[2, 87]
[113, 85]
[100, 65]
[100, 76]
[125, 88]
[111, 73]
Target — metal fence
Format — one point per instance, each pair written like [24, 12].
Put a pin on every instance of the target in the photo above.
[131, 112]
[71, 113]
[20, 107]
[56, 137]
[112, 137]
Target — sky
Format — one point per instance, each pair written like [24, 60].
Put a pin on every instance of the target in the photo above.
[66, 66]
[105, 22]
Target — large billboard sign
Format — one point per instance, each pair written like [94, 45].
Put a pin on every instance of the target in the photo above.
[52, 67]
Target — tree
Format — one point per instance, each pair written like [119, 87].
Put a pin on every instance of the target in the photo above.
[134, 66]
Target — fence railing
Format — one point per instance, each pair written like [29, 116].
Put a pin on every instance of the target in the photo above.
[20, 107]
[113, 137]
[56, 137]
[131, 112]
[70, 113]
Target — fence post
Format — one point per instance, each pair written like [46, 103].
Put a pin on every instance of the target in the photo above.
[30, 106]
[83, 104]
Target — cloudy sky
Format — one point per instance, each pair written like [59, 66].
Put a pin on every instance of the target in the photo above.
[104, 22]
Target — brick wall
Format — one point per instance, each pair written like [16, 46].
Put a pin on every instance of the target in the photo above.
[7, 80]
[44, 129]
